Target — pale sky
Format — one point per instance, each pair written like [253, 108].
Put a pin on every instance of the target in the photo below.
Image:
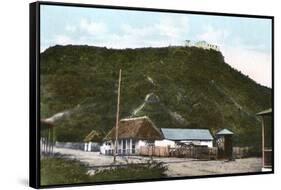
[244, 42]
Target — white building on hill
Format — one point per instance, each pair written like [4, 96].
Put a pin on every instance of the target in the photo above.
[205, 45]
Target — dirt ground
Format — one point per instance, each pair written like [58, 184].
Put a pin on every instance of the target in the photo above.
[194, 168]
[176, 166]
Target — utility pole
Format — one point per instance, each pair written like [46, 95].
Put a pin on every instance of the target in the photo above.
[262, 136]
[117, 119]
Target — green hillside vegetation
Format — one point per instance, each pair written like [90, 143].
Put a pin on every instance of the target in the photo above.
[194, 88]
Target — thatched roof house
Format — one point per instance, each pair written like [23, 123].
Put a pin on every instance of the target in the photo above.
[139, 128]
[132, 134]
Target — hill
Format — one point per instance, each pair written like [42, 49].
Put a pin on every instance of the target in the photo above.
[176, 86]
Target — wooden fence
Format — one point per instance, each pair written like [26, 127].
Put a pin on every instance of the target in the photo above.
[241, 152]
[196, 152]
[154, 151]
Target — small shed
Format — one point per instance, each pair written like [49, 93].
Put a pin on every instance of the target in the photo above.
[224, 144]
[174, 136]
[267, 136]
[92, 141]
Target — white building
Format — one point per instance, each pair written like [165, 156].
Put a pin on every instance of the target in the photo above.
[205, 45]
[132, 134]
[173, 136]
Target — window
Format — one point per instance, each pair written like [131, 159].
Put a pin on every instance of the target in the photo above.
[124, 146]
[133, 146]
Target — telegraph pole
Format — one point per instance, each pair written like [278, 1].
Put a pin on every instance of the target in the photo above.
[117, 118]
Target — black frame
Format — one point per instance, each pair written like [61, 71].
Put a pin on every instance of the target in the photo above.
[34, 90]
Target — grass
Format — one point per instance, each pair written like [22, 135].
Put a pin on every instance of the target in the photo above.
[59, 171]
[132, 172]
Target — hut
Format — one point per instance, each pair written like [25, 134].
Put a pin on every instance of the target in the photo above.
[132, 134]
[224, 144]
[174, 136]
[267, 138]
[91, 141]
[46, 137]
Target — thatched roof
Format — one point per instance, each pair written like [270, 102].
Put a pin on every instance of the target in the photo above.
[265, 112]
[45, 124]
[141, 128]
[93, 136]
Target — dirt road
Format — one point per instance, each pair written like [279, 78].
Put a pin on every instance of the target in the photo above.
[195, 168]
[176, 166]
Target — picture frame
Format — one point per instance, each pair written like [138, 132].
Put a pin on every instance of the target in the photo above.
[157, 101]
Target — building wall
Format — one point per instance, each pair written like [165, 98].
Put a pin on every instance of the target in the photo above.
[91, 147]
[208, 143]
[139, 144]
[165, 142]
[108, 146]
[172, 144]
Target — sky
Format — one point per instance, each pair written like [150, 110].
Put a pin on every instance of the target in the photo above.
[244, 42]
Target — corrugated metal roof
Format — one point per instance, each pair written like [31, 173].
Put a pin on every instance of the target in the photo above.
[265, 112]
[224, 132]
[186, 134]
